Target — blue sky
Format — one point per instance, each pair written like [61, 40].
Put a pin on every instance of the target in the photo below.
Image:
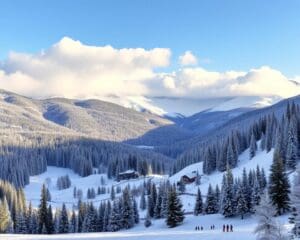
[237, 35]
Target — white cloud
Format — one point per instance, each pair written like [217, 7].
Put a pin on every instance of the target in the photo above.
[72, 69]
[200, 83]
[188, 59]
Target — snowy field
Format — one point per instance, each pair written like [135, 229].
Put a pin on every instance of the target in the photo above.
[33, 190]
[243, 229]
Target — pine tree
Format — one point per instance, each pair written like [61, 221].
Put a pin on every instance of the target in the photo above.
[43, 211]
[175, 215]
[279, 187]
[210, 203]
[20, 226]
[241, 200]
[255, 197]
[228, 204]
[181, 186]
[127, 209]
[292, 145]
[267, 228]
[115, 218]
[64, 220]
[143, 204]
[73, 223]
[295, 197]
[198, 209]
[112, 193]
[136, 212]
[147, 222]
[253, 146]
[50, 223]
[5, 219]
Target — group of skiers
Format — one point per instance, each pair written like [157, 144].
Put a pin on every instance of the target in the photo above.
[226, 228]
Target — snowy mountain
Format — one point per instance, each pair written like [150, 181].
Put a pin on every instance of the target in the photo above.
[91, 118]
[177, 107]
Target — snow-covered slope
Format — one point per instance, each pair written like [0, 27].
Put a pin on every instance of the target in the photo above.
[32, 191]
[89, 118]
[176, 107]
[243, 229]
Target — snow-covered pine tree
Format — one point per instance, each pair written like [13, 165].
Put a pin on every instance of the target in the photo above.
[143, 204]
[255, 197]
[115, 218]
[210, 202]
[112, 193]
[136, 212]
[228, 203]
[147, 222]
[107, 213]
[175, 214]
[198, 209]
[292, 144]
[158, 203]
[63, 220]
[127, 209]
[73, 223]
[267, 228]
[50, 223]
[242, 206]
[253, 146]
[279, 186]
[295, 202]
[43, 211]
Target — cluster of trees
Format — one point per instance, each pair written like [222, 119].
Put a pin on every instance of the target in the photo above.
[281, 132]
[122, 213]
[237, 196]
[63, 182]
[25, 156]
[161, 201]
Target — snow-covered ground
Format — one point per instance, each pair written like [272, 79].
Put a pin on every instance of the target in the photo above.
[58, 197]
[32, 191]
[243, 229]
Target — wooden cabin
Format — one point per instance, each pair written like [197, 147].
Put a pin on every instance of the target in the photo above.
[129, 174]
[189, 177]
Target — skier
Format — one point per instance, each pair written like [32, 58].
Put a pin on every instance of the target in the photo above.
[231, 228]
[201, 228]
[227, 228]
[224, 227]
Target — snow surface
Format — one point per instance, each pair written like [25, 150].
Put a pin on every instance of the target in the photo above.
[262, 159]
[243, 229]
[174, 107]
[58, 197]
[246, 102]
[32, 191]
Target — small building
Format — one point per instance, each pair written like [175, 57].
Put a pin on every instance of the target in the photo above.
[129, 174]
[189, 177]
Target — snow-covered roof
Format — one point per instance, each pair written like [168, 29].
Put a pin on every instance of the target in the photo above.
[191, 175]
[127, 172]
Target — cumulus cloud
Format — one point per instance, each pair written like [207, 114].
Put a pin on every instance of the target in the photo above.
[72, 69]
[188, 59]
[200, 83]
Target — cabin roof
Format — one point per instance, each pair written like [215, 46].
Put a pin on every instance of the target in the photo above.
[190, 175]
[127, 172]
